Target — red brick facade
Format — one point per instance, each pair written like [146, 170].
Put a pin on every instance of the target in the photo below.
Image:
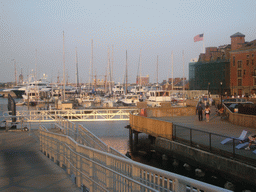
[242, 66]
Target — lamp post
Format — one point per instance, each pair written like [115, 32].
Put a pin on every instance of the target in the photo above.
[221, 93]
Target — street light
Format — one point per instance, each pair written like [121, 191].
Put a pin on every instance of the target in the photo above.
[221, 93]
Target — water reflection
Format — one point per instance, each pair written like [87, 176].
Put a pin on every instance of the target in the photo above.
[112, 133]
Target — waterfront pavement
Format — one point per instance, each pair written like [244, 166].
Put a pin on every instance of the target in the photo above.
[24, 168]
[215, 125]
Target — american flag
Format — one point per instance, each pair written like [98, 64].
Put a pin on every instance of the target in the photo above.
[199, 37]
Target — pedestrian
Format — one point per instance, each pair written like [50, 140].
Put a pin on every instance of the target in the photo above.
[199, 110]
[207, 113]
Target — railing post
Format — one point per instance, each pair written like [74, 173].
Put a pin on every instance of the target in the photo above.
[234, 148]
[109, 175]
[190, 137]
[210, 141]
[78, 166]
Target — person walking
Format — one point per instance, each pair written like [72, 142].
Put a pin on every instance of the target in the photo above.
[199, 110]
[207, 113]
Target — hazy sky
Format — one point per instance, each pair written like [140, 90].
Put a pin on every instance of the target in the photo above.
[31, 32]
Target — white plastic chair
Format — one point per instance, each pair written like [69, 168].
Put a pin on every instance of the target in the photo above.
[241, 137]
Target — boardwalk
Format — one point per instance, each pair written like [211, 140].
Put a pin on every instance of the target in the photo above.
[217, 126]
[25, 168]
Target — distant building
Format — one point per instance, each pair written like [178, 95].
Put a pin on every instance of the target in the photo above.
[232, 65]
[140, 80]
[211, 71]
[242, 65]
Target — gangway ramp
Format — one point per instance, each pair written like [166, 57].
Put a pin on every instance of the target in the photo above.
[77, 115]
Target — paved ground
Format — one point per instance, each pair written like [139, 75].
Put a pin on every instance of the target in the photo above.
[24, 168]
[215, 125]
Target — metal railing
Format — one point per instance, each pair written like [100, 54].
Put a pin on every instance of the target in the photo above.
[97, 170]
[77, 115]
[210, 142]
[83, 136]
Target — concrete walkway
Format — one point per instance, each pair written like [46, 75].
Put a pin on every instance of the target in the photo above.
[25, 168]
[215, 125]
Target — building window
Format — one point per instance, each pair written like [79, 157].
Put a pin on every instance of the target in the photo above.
[252, 62]
[254, 81]
[248, 56]
[234, 61]
[239, 64]
[244, 72]
[239, 73]
[252, 55]
[239, 82]
[247, 62]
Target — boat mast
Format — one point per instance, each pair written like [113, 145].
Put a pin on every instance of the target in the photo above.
[183, 77]
[157, 71]
[63, 69]
[140, 69]
[109, 72]
[92, 64]
[112, 68]
[15, 72]
[172, 70]
[126, 75]
[77, 77]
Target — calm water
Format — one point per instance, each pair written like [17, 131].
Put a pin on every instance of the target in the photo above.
[112, 133]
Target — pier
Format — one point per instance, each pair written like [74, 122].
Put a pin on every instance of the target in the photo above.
[197, 142]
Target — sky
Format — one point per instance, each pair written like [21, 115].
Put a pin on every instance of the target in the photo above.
[31, 36]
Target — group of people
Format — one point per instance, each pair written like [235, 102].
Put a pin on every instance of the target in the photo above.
[200, 110]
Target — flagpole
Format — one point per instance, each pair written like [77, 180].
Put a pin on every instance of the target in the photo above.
[203, 44]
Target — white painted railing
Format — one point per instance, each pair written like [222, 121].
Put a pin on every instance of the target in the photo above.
[97, 170]
[83, 136]
[77, 115]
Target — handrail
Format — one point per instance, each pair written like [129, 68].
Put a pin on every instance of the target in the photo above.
[212, 138]
[113, 171]
[80, 132]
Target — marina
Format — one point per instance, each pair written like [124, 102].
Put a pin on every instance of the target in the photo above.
[128, 96]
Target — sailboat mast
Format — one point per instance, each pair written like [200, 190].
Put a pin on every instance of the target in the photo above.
[140, 68]
[126, 75]
[77, 77]
[172, 70]
[157, 70]
[92, 65]
[36, 67]
[112, 66]
[183, 76]
[63, 68]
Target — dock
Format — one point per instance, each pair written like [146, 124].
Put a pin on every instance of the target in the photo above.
[25, 168]
[198, 143]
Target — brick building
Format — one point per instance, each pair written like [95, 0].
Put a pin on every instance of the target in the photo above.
[142, 80]
[233, 65]
[242, 65]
